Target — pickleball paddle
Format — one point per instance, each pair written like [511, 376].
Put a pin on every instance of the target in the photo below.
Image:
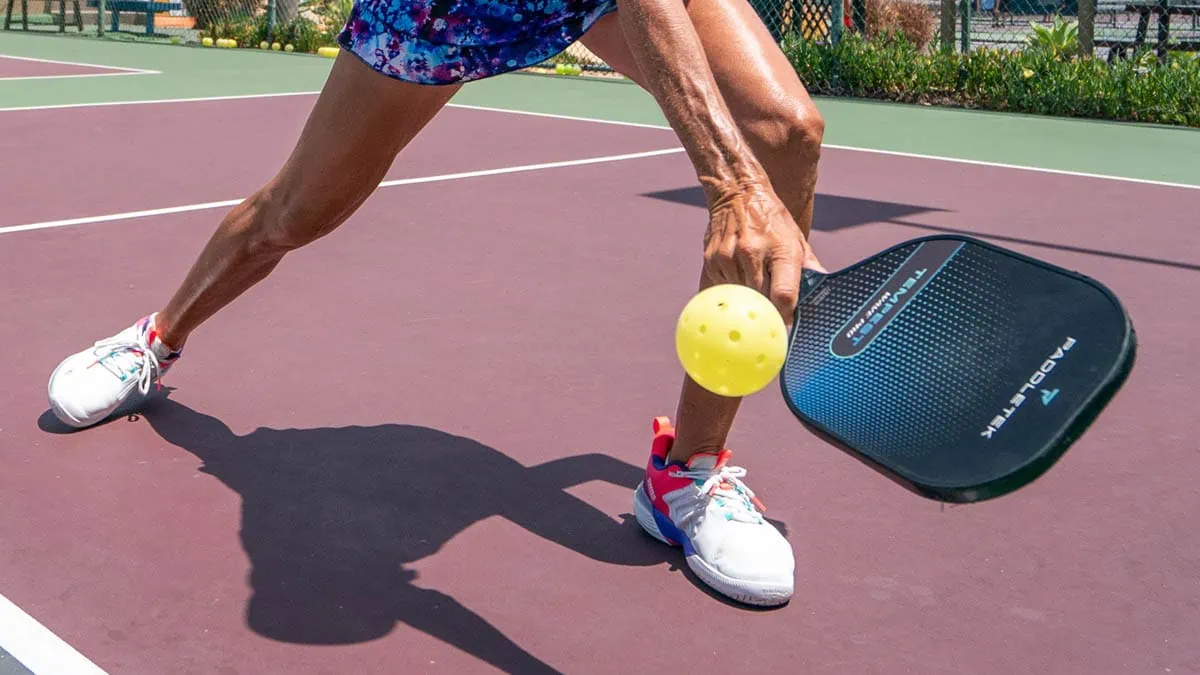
[959, 369]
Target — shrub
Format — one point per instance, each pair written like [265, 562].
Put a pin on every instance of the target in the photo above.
[1060, 41]
[889, 19]
[1040, 81]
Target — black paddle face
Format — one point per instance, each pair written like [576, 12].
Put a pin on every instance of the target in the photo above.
[957, 368]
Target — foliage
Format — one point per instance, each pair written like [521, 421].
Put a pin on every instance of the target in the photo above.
[1040, 81]
[1060, 41]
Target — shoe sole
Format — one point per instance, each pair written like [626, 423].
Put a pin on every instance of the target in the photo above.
[747, 592]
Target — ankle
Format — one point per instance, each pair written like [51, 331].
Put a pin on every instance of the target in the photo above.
[684, 448]
[163, 331]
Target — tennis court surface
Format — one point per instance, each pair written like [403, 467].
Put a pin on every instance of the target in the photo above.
[412, 449]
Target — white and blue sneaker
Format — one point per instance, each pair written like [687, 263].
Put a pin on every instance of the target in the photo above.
[705, 507]
[90, 385]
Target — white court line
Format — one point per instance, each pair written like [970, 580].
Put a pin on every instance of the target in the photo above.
[36, 647]
[156, 101]
[831, 146]
[22, 78]
[123, 70]
[554, 116]
[852, 148]
[130, 215]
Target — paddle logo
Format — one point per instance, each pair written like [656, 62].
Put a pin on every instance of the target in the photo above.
[893, 296]
[1031, 383]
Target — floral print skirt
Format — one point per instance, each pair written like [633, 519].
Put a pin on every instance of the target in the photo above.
[455, 41]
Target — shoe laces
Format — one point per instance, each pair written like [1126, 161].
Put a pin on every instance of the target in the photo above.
[724, 484]
[130, 357]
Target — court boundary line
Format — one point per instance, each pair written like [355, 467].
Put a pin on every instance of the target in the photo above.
[641, 125]
[122, 70]
[876, 151]
[36, 647]
[440, 178]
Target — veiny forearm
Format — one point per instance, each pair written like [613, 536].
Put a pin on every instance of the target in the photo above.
[669, 54]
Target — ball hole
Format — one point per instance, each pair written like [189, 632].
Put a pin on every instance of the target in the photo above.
[703, 329]
[753, 315]
[760, 359]
[734, 336]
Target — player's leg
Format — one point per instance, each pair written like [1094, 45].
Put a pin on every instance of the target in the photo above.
[357, 126]
[784, 129]
[690, 495]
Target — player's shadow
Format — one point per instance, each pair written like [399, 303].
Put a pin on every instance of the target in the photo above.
[832, 212]
[332, 516]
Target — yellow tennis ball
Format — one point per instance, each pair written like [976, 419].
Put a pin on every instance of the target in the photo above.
[264, 45]
[276, 46]
[207, 42]
[289, 48]
[731, 340]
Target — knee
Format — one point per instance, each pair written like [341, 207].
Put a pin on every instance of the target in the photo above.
[789, 136]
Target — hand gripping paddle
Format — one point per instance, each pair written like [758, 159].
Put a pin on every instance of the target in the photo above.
[959, 369]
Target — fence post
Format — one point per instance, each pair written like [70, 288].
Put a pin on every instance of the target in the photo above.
[100, 18]
[270, 20]
[965, 45]
[948, 24]
[1087, 28]
[837, 19]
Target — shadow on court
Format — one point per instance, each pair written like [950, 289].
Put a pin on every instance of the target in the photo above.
[330, 516]
[832, 213]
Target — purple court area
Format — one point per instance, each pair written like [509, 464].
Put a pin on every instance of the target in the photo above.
[412, 449]
[15, 67]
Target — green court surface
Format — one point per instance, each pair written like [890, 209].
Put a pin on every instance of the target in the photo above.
[1084, 146]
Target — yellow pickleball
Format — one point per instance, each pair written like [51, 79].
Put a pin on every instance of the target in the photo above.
[731, 340]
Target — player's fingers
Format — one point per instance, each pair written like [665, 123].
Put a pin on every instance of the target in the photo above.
[811, 262]
[785, 282]
[720, 264]
[752, 263]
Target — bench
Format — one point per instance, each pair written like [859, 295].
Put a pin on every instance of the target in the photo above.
[1121, 46]
[150, 7]
[62, 15]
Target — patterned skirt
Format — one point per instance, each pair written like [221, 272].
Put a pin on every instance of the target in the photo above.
[455, 41]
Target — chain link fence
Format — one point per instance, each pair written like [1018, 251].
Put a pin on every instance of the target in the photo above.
[294, 25]
[1107, 29]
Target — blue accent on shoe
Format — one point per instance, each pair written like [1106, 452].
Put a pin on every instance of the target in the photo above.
[670, 531]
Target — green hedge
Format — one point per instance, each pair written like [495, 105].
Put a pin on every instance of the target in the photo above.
[1031, 80]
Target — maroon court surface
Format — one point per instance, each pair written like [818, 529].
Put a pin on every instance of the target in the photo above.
[12, 67]
[412, 449]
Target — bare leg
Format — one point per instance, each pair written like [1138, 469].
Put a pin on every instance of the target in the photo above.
[782, 126]
[361, 121]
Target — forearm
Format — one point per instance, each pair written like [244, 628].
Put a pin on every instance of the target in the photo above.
[669, 54]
